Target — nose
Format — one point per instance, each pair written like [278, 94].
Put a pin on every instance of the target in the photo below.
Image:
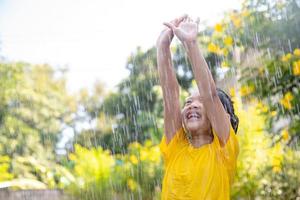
[193, 105]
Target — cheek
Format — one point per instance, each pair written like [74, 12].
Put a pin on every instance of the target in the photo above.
[182, 117]
[183, 113]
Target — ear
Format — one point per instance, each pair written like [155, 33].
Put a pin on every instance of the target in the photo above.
[228, 115]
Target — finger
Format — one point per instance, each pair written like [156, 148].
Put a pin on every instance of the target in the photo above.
[175, 22]
[180, 19]
[169, 25]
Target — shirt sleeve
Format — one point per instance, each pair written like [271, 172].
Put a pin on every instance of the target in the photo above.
[231, 149]
[229, 152]
[170, 149]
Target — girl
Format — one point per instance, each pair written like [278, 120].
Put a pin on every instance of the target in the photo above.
[199, 146]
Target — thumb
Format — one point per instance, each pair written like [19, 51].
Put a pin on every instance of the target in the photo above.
[170, 25]
[175, 29]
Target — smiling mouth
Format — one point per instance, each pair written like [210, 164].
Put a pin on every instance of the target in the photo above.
[193, 115]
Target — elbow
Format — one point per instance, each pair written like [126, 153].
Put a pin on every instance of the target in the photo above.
[213, 92]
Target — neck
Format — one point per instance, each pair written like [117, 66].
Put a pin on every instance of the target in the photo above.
[201, 138]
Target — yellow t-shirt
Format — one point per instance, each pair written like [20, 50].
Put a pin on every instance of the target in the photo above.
[203, 173]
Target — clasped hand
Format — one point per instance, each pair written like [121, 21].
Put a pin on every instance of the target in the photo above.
[184, 28]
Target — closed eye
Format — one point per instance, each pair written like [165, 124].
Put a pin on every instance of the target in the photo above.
[188, 102]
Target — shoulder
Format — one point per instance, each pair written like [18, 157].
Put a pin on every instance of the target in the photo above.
[231, 147]
[179, 139]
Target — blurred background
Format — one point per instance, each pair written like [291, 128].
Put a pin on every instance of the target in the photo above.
[81, 111]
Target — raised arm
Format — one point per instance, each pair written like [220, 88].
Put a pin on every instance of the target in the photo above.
[220, 120]
[168, 82]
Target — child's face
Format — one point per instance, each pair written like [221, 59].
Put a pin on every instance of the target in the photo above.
[194, 116]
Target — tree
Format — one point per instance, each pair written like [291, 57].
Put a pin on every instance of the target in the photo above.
[272, 29]
[34, 110]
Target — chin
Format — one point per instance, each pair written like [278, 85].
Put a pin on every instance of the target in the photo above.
[193, 126]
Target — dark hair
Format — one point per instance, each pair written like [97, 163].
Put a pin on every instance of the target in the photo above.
[228, 105]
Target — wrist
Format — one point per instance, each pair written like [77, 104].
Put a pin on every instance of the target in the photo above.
[163, 45]
[165, 39]
[192, 49]
[190, 43]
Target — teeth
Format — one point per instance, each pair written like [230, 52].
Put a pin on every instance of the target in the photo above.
[193, 115]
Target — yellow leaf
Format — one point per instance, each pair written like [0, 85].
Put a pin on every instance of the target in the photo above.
[237, 22]
[277, 157]
[286, 100]
[148, 143]
[218, 28]
[232, 92]
[246, 90]
[286, 104]
[289, 96]
[245, 13]
[144, 155]
[286, 57]
[261, 70]
[228, 41]
[285, 134]
[276, 169]
[297, 52]
[155, 154]
[135, 145]
[224, 64]
[225, 51]
[132, 184]
[134, 159]
[265, 109]
[273, 113]
[296, 68]
[214, 48]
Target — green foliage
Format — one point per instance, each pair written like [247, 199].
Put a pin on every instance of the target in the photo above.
[51, 174]
[89, 112]
[34, 109]
[100, 174]
[259, 43]
[256, 39]
[264, 170]
[132, 106]
[29, 173]
[254, 144]
[273, 74]
[271, 24]
[283, 183]
[277, 83]
[4, 168]
[93, 170]
[143, 166]
[110, 160]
